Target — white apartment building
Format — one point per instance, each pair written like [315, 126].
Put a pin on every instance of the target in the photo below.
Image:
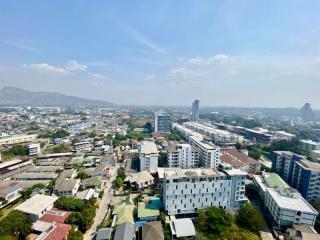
[220, 137]
[83, 146]
[148, 155]
[188, 190]
[309, 145]
[209, 154]
[34, 149]
[183, 155]
[285, 205]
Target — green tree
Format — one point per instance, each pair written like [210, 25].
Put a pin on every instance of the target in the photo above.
[61, 148]
[218, 220]
[16, 224]
[75, 234]
[82, 174]
[69, 204]
[121, 173]
[119, 182]
[250, 218]
[202, 218]
[236, 233]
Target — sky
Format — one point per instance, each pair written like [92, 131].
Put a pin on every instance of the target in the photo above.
[263, 53]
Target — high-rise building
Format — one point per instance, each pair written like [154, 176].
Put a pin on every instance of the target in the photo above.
[188, 190]
[195, 111]
[183, 155]
[306, 112]
[306, 179]
[162, 122]
[283, 163]
[148, 155]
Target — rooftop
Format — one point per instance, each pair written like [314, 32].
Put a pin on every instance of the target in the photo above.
[290, 200]
[195, 172]
[36, 204]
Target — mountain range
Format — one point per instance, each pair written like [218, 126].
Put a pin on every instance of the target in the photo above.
[12, 96]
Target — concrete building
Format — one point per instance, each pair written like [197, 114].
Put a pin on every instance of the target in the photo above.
[182, 155]
[162, 122]
[285, 205]
[306, 179]
[309, 145]
[208, 152]
[219, 137]
[283, 162]
[9, 191]
[195, 111]
[148, 155]
[37, 206]
[188, 190]
[84, 146]
[315, 155]
[282, 135]
[34, 149]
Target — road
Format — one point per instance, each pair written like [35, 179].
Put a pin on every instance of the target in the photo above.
[103, 207]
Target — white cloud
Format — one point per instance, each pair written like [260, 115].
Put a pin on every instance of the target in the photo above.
[181, 71]
[220, 58]
[97, 75]
[144, 40]
[73, 65]
[45, 67]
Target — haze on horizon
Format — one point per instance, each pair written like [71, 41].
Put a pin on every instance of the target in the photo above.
[225, 53]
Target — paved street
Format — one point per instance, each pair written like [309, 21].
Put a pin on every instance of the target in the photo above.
[102, 210]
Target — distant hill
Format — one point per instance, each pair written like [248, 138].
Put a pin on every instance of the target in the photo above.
[11, 96]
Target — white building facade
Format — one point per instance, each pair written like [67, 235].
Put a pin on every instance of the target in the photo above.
[148, 155]
[183, 155]
[188, 190]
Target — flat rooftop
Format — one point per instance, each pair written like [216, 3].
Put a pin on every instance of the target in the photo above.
[36, 204]
[195, 172]
[296, 203]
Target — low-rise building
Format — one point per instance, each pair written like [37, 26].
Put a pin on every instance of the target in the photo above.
[34, 149]
[152, 231]
[66, 185]
[12, 167]
[240, 161]
[37, 206]
[84, 146]
[9, 191]
[140, 180]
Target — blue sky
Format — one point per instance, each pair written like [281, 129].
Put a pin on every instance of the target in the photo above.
[225, 53]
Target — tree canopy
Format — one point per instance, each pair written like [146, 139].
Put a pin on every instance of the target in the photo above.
[250, 218]
[15, 224]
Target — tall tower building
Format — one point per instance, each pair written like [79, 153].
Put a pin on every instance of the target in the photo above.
[162, 122]
[195, 111]
[306, 112]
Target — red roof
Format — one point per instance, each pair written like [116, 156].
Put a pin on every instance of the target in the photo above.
[55, 215]
[59, 232]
